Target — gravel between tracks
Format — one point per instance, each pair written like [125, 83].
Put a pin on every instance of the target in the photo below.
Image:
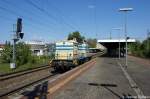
[10, 84]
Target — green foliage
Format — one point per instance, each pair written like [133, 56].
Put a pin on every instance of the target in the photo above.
[141, 49]
[24, 58]
[23, 54]
[92, 42]
[76, 35]
[6, 53]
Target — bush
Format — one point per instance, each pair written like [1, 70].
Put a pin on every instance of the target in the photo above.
[23, 54]
[6, 53]
[32, 60]
[141, 49]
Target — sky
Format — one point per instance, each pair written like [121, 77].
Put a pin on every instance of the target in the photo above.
[53, 20]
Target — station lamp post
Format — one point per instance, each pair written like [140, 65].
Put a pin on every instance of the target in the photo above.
[119, 29]
[125, 10]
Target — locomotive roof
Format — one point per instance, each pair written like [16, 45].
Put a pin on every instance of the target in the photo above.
[69, 41]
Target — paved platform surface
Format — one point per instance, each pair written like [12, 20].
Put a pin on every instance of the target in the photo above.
[106, 72]
[139, 70]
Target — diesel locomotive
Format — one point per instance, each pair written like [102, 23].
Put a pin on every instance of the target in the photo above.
[70, 53]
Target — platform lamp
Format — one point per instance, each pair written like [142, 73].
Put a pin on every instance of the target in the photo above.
[125, 10]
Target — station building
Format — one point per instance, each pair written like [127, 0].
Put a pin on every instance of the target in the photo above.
[40, 48]
[1, 47]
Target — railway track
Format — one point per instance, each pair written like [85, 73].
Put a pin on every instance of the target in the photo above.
[48, 88]
[14, 83]
[24, 88]
[17, 81]
[7, 76]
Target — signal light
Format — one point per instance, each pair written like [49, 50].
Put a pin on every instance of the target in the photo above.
[19, 25]
[128, 38]
[21, 35]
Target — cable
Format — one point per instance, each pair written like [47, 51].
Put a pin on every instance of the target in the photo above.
[8, 19]
[14, 13]
[60, 12]
[29, 19]
[10, 11]
[46, 13]
[25, 11]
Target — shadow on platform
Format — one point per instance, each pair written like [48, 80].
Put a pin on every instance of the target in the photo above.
[108, 88]
[39, 92]
[111, 56]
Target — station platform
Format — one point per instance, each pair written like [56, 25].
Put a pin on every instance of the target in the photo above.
[105, 80]
[139, 70]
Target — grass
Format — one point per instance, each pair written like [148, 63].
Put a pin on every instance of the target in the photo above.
[5, 67]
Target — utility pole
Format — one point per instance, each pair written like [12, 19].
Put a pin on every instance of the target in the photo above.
[119, 29]
[13, 65]
[16, 36]
[110, 35]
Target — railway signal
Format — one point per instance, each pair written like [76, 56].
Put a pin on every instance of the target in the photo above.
[17, 35]
[19, 29]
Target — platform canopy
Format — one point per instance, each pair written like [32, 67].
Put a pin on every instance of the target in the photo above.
[115, 40]
[112, 45]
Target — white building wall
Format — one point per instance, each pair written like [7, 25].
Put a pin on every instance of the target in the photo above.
[37, 47]
[1, 50]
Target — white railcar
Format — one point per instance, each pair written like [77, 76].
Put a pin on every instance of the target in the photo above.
[66, 54]
[83, 52]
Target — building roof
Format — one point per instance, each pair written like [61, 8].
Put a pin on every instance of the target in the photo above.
[2, 45]
[35, 42]
[69, 41]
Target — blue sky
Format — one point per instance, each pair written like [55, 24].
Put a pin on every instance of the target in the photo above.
[52, 20]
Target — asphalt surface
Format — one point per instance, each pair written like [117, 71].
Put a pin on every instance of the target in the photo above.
[105, 80]
[139, 70]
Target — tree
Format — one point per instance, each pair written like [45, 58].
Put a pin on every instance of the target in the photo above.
[76, 35]
[134, 48]
[6, 54]
[141, 49]
[146, 44]
[92, 42]
[23, 54]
